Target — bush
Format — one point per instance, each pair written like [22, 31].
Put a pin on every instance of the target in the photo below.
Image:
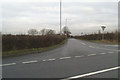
[18, 42]
[113, 36]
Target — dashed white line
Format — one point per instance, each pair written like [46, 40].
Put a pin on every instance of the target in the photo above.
[27, 62]
[8, 64]
[48, 59]
[91, 54]
[110, 52]
[92, 73]
[102, 53]
[43, 60]
[91, 46]
[83, 43]
[105, 48]
[78, 56]
[65, 58]
[51, 59]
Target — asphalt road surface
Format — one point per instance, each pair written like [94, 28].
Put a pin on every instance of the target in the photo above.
[74, 59]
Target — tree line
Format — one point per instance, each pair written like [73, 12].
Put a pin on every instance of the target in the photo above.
[34, 39]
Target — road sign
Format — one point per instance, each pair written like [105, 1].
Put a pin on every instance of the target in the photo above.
[103, 27]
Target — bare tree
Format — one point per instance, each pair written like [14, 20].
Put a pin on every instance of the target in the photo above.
[50, 32]
[43, 31]
[66, 30]
[32, 31]
[47, 32]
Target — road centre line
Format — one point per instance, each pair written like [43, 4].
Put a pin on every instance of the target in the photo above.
[8, 64]
[48, 59]
[83, 43]
[65, 58]
[92, 73]
[78, 56]
[35, 61]
[110, 52]
[91, 54]
[106, 49]
[51, 59]
[27, 62]
[44, 60]
[91, 46]
[102, 53]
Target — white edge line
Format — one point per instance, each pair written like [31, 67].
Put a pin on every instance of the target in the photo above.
[8, 64]
[92, 73]
[30, 62]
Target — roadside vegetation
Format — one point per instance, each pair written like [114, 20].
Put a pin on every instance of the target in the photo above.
[22, 44]
[109, 37]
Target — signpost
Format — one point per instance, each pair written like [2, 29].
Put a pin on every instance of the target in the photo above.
[103, 28]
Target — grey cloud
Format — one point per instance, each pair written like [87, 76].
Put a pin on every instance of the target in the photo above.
[84, 15]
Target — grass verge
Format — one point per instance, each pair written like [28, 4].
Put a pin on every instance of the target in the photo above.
[102, 41]
[105, 42]
[30, 51]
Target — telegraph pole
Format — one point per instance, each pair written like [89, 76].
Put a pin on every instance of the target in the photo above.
[60, 17]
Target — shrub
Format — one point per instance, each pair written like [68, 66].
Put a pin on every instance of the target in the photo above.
[17, 42]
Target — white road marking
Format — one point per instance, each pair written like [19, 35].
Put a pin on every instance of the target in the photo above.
[27, 62]
[110, 52]
[83, 43]
[65, 57]
[50, 59]
[105, 48]
[78, 56]
[44, 60]
[112, 45]
[8, 64]
[102, 53]
[91, 46]
[91, 54]
[92, 73]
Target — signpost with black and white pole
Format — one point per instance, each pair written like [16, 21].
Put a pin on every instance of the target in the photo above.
[103, 28]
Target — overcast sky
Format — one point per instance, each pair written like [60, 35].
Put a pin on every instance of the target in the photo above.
[84, 15]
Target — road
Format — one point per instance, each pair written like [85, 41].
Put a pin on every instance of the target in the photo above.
[74, 59]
